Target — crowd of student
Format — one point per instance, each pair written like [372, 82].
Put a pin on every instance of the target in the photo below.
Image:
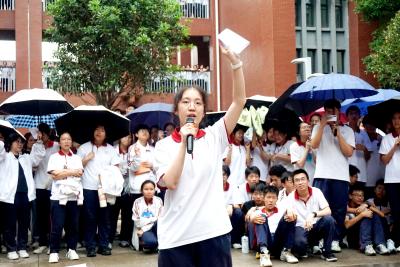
[291, 196]
[332, 185]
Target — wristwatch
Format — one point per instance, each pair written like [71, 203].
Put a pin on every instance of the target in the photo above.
[315, 214]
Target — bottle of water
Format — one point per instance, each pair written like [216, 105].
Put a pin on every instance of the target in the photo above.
[245, 244]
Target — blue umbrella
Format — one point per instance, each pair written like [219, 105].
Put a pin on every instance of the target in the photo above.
[364, 102]
[152, 114]
[333, 85]
[30, 121]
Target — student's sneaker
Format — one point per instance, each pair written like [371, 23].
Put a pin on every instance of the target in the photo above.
[124, 244]
[316, 250]
[369, 250]
[23, 254]
[265, 260]
[53, 258]
[13, 255]
[398, 249]
[381, 249]
[330, 257]
[335, 247]
[40, 250]
[237, 246]
[3, 249]
[287, 256]
[258, 255]
[390, 246]
[72, 255]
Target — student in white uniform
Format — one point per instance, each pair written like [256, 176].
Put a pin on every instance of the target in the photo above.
[228, 190]
[17, 190]
[64, 166]
[123, 203]
[237, 156]
[259, 155]
[390, 156]
[301, 153]
[43, 190]
[96, 155]
[193, 229]
[281, 154]
[362, 152]
[335, 144]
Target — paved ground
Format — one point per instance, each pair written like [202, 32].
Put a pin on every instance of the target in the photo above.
[127, 257]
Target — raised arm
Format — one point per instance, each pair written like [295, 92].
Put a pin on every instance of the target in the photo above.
[239, 92]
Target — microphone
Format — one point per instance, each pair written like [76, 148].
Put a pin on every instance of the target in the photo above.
[189, 138]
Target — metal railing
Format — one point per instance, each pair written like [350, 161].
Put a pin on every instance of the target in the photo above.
[46, 3]
[195, 8]
[7, 4]
[172, 83]
[7, 79]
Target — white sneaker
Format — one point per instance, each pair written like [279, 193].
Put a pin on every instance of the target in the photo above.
[390, 246]
[265, 260]
[40, 250]
[316, 250]
[335, 247]
[369, 250]
[381, 249]
[287, 256]
[53, 258]
[12, 255]
[237, 246]
[72, 255]
[23, 254]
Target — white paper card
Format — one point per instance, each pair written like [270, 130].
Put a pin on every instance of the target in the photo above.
[233, 41]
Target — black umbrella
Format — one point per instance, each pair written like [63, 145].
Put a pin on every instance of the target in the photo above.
[36, 102]
[381, 114]
[211, 118]
[285, 119]
[82, 121]
[300, 107]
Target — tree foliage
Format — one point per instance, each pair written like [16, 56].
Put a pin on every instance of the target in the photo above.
[383, 60]
[109, 47]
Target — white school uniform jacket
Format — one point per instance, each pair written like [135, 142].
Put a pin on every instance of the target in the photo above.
[392, 171]
[135, 158]
[375, 167]
[357, 159]
[144, 216]
[9, 171]
[260, 163]
[330, 161]
[238, 164]
[42, 178]
[195, 210]
[60, 161]
[105, 155]
[297, 150]
[285, 150]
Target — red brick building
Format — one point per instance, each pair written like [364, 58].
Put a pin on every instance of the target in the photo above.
[327, 30]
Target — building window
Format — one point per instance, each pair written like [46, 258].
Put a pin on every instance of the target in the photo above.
[326, 61]
[339, 13]
[299, 67]
[298, 13]
[310, 13]
[311, 53]
[324, 14]
[340, 61]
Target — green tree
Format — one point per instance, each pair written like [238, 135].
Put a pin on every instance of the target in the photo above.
[113, 47]
[383, 60]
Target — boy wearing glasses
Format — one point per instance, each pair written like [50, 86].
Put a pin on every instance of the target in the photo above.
[313, 216]
[363, 225]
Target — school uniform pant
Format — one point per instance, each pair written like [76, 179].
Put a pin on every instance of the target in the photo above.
[43, 215]
[64, 217]
[124, 205]
[16, 215]
[336, 193]
[371, 232]
[237, 221]
[323, 228]
[149, 238]
[96, 220]
[393, 191]
[210, 252]
[260, 235]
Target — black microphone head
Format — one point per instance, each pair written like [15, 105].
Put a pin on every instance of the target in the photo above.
[189, 120]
